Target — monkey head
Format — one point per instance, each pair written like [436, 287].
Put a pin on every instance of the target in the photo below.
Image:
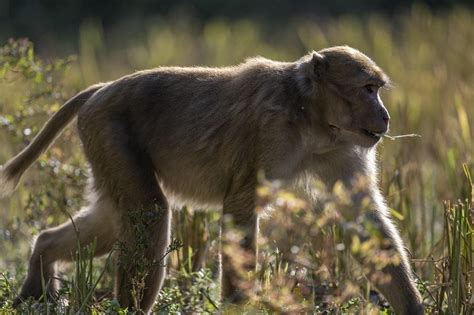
[344, 86]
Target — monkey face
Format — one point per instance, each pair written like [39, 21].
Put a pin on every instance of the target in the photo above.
[359, 118]
[350, 84]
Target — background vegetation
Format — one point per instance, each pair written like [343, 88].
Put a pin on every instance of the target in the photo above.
[304, 267]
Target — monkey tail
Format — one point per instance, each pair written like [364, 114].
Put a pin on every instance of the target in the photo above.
[11, 172]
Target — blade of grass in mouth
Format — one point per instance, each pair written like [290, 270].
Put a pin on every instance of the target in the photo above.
[410, 135]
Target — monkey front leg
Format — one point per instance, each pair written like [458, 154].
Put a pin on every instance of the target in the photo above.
[239, 229]
[385, 259]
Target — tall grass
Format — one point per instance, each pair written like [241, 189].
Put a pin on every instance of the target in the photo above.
[459, 250]
[426, 180]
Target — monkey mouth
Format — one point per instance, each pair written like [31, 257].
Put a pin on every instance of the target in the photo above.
[360, 131]
[373, 134]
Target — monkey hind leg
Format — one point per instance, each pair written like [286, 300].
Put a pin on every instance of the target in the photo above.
[143, 243]
[142, 259]
[94, 223]
[123, 168]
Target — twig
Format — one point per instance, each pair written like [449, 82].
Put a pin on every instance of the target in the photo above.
[410, 135]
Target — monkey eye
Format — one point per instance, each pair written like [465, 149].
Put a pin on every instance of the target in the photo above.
[371, 88]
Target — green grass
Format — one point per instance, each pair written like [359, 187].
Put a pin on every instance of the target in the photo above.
[304, 267]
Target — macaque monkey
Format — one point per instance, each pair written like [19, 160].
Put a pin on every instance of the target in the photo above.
[202, 135]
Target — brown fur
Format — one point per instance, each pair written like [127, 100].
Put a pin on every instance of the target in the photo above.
[201, 135]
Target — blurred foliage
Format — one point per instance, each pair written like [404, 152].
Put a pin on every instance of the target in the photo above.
[49, 22]
[429, 56]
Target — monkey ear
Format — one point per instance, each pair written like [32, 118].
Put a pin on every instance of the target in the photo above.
[311, 70]
[319, 65]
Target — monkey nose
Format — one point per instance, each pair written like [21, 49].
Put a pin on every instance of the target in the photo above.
[385, 116]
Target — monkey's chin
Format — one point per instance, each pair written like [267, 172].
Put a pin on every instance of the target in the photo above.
[369, 139]
[368, 143]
